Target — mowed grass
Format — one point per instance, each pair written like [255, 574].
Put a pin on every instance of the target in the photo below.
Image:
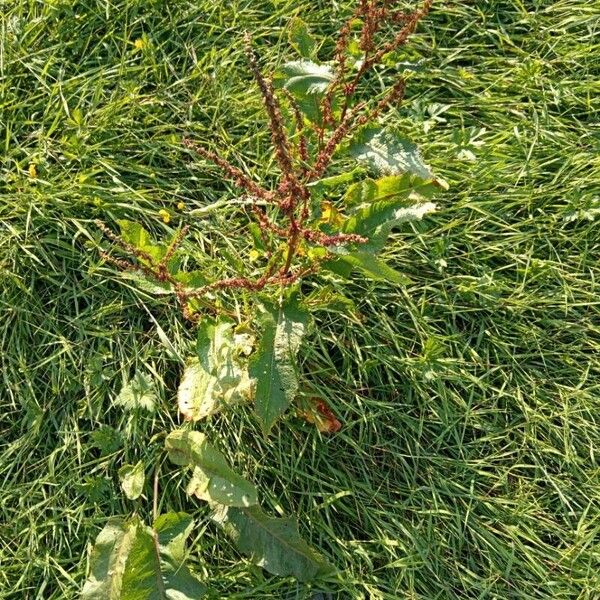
[467, 466]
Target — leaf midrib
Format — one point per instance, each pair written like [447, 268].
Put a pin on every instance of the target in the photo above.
[281, 540]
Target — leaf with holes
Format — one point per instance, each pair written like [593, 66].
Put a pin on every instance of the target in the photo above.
[272, 543]
[218, 376]
[212, 478]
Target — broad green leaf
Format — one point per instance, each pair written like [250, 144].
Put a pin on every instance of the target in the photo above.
[322, 186]
[376, 221]
[107, 439]
[212, 478]
[300, 38]
[155, 569]
[304, 77]
[133, 562]
[389, 154]
[255, 232]
[391, 187]
[218, 376]
[374, 268]
[107, 562]
[138, 392]
[132, 479]
[272, 543]
[134, 234]
[274, 363]
[307, 82]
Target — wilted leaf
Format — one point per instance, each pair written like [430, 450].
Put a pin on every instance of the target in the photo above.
[212, 478]
[387, 153]
[218, 376]
[138, 392]
[300, 38]
[132, 479]
[107, 562]
[273, 365]
[317, 411]
[272, 543]
[330, 215]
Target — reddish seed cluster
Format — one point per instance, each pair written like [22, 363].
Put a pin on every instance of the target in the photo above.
[290, 200]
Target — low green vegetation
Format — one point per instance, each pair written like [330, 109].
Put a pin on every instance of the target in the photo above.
[467, 392]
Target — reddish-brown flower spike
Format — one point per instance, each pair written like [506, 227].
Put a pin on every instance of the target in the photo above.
[232, 172]
[318, 237]
[174, 245]
[278, 135]
[299, 121]
[325, 156]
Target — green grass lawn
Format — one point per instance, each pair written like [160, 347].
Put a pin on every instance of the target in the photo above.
[467, 465]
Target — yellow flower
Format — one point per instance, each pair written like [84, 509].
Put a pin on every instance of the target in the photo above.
[181, 205]
[164, 215]
[139, 44]
[254, 255]
[32, 171]
[330, 214]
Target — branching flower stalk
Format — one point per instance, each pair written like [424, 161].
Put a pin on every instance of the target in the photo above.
[288, 215]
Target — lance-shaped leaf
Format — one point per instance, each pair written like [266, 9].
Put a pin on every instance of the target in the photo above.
[272, 543]
[212, 478]
[218, 376]
[387, 153]
[375, 220]
[374, 268]
[133, 562]
[274, 363]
